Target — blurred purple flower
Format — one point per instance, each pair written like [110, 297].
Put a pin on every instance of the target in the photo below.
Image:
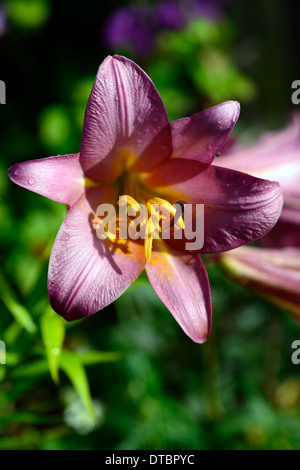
[3, 21]
[128, 28]
[135, 27]
[274, 272]
[169, 15]
[211, 9]
[275, 156]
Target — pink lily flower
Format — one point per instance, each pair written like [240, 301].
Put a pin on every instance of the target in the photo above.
[275, 156]
[130, 148]
[273, 273]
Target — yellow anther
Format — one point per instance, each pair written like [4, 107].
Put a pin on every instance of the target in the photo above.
[170, 209]
[156, 220]
[154, 216]
[179, 224]
[148, 240]
[129, 201]
[163, 204]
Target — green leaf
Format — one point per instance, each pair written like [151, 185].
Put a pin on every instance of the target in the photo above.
[53, 333]
[72, 365]
[2, 373]
[31, 370]
[18, 311]
[89, 358]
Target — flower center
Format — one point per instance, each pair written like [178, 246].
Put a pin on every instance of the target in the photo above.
[153, 220]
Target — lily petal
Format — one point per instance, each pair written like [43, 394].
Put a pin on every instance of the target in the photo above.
[275, 274]
[201, 136]
[85, 274]
[181, 283]
[125, 122]
[286, 232]
[275, 156]
[58, 178]
[238, 208]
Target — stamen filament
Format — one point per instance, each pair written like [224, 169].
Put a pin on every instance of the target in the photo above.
[148, 240]
[160, 215]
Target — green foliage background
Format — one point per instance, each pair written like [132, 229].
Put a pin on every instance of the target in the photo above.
[128, 377]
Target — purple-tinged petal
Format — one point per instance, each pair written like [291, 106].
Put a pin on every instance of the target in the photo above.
[125, 123]
[58, 178]
[201, 136]
[181, 283]
[290, 215]
[286, 232]
[275, 274]
[275, 156]
[238, 208]
[85, 273]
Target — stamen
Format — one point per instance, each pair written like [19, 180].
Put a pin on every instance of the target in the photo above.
[154, 216]
[164, 204]
[159, 212]
[130, 201]
[148, 240]
[178, 222]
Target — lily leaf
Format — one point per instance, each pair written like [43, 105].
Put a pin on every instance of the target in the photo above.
[53, 333]
[89, 358]
[18, 311]
[72, 365]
